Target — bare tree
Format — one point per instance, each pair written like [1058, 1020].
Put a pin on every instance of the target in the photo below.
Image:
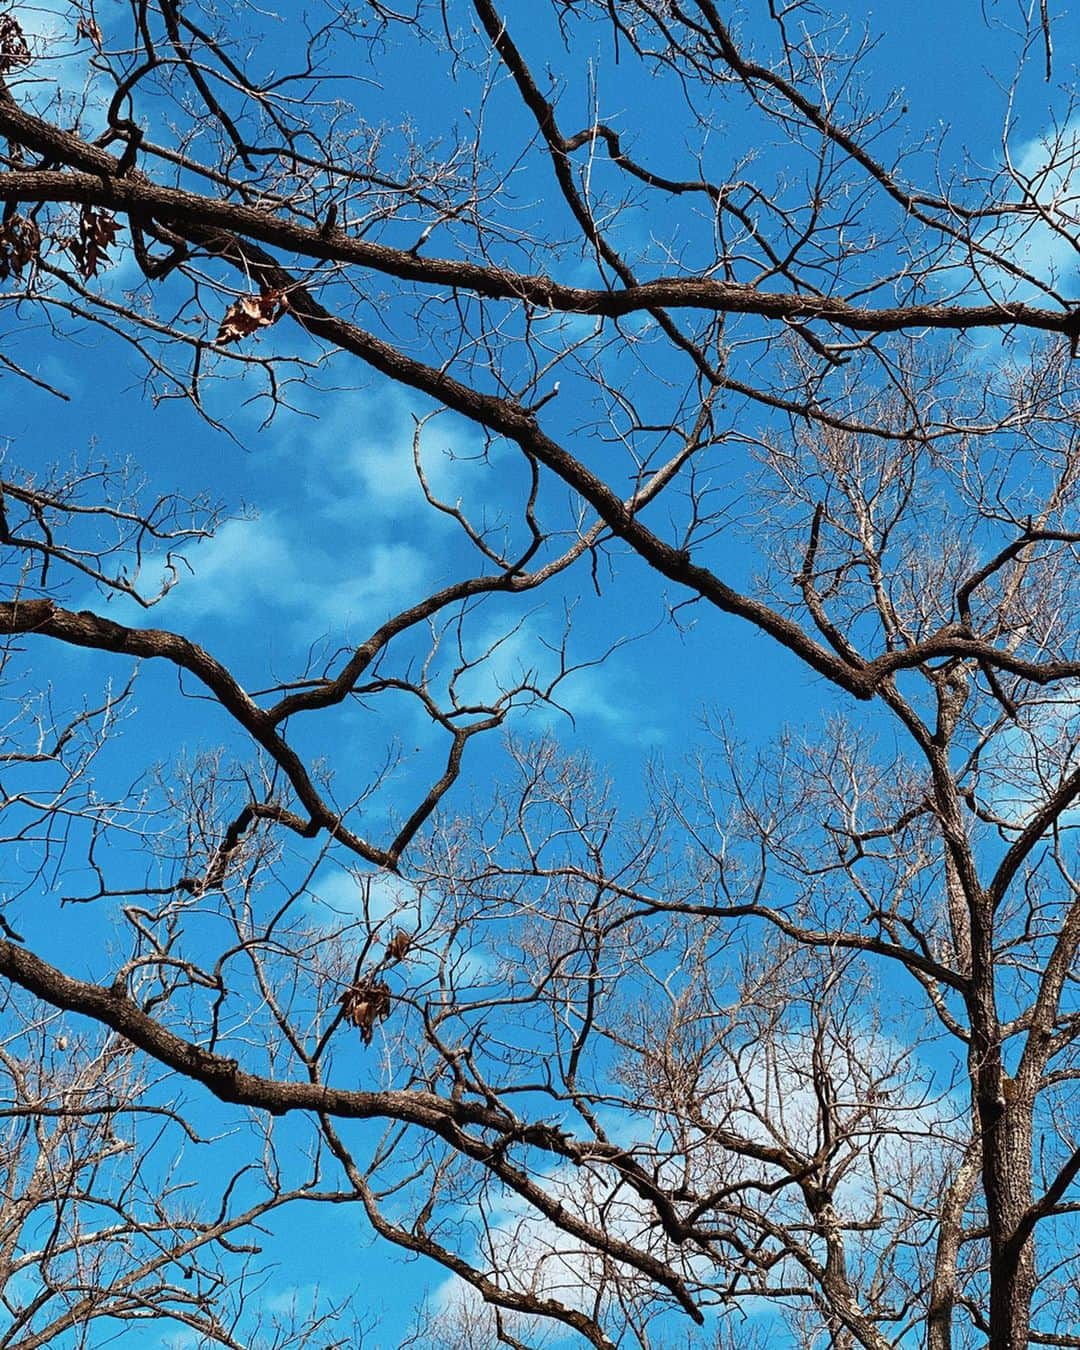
[99, 1233]
[797, 1038]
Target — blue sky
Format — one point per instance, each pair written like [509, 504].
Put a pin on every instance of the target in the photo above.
[325, 532]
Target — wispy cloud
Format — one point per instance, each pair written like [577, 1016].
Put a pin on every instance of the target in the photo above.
[359, 451]
[1045, 178]
[343, 893]
[267, 565]
[601, 695]
[320, 552]
[536, 1258]
[1048, 168]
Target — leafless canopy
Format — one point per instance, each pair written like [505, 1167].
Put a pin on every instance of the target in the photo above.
[784, 1044]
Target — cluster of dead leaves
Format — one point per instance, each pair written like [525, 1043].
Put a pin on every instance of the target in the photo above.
[364, 1004]
[90, 247]
[20, 243]
[250, 313]
[14, 51]
[367, 1001]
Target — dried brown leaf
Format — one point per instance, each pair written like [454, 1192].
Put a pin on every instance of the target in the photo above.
[20, 243]
[250, 313]
[399, 945]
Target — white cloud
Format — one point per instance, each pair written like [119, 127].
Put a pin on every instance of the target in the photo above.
[359, 451]
[604, 695]
[598, 696]
[1045, 172]
[295, 1301]
[1026, 762]
[392, 574]
[272, 568]
[769, 1097]
[1049, 167]
[247, 562]
[527, 1254]
[349, 894]
[768, 1092]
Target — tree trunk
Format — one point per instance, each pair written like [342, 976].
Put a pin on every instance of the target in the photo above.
[1005, 1120]
[943, 1288]
[1007, 1135]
